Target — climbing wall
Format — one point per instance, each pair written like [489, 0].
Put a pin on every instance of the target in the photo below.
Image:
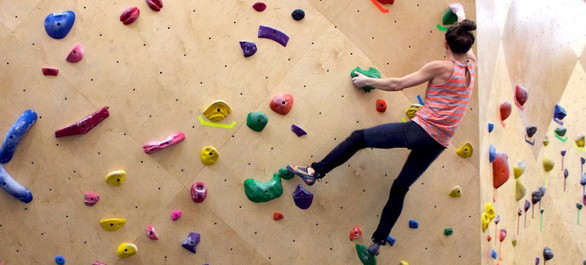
[540, 46]
[157, 76]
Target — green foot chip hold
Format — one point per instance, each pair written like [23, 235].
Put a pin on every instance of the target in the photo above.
[448, 231]
[257, 121]
[372, 72]
[258, 191]
[285, 174]
[449, 18]
[365, 257]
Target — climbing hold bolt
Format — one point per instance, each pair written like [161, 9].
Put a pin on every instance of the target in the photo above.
[126, 250]
[371, 72]
[282, 103]
[191, 241]
[209, 155]
[302, 197]
[172, 139]
[116, 178]
[199, 192]
[112, 224]
[59, 24]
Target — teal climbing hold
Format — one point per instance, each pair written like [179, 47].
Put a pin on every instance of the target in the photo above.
[285, 174]
[258, 191]
[365, 257]
[257, 121]
[372, 72]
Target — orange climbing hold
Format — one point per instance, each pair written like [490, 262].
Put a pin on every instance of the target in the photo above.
[355, 233]
[381, 105]
[278, 216]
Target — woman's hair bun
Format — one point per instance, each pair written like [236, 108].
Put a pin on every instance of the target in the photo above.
[467, 25]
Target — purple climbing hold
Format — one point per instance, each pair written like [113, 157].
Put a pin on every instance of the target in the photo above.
[559, 113]
[191, 241]
[59, 24]
[302, 197]
[249, 48]
[491, 153]
[297, 130]
[547, 254]
[273, 34]
[527, 205]
[537, 260]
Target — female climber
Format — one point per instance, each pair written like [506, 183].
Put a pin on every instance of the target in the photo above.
[449, 87]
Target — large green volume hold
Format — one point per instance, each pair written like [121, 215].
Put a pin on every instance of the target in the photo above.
[449, 18]
[372, 72]
[365, 257]
[258, 191]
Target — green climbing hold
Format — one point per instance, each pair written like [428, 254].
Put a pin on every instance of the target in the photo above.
[372, 72]
[258, 191]
[449, 18]
[257, 121]
[561, 131]
[365, 257]
[448, 231]
[285, 174]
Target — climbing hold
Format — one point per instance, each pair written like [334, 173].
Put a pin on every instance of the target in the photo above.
[129, 15]
[91, 198]
[59, 259]
[248, 48]
[537, 260]
[488, 238]
[505, 110]
[448, 231]
[172, 139]
[365, 257]
[285, 174]
[530, 131]
[213, 124]
[497, 219]
[76, 54]
[384, 2]
[151, 233]
[112, 224]
[15, 134]
[8, 184]
[490, 127]
[297, 130]
[559, 113]
[209, 155]
[580, 141]
[273, 34]
[489, 210]
[500, 170]
[491, 153]
[278, 216]
[403, 263]
[355, 233]
[465, 151]
[259, 6]
[412, 110]
[191, 241]
[175, 215]
[302, 197]
[449, 17]
[199, 192]
[519, 190]
[502, 235]
[371, 72]
[537, 195]
[519, 169]
[256, 121]
[579, 206]
[548, 164]
[116, 178]
[413, 224]
[456, 192]
[282, 103]
[258, 191]
[98, 263]
[521, 96]
[561, 131]
[493, 254]
[155, 5]
[59, 24]
[126, 250]
[391, 240]
[298, 14]
[545, 140]
[217, 111]
[381, 105]
[547, 254]
[85, 125]
[50, 71]
[514, 242]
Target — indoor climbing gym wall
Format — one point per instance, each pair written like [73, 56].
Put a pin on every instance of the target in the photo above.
[155, 132]
[533, 61]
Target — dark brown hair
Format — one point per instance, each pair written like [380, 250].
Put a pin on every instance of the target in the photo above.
[459, 37]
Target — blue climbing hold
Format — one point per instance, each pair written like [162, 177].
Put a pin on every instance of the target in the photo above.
[413, 224]
[391, 240]
[59, 24]
[559, 113]
[8, 184]
[16, 132]
[490, 127]
[493, 254]
[59, 259]
[491, 153]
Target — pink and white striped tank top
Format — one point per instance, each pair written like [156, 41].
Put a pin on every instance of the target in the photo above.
[446, 104]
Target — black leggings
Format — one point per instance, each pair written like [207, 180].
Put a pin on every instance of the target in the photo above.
[424, 150]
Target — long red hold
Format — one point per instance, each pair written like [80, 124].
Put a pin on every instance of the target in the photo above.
[129, 15]
[500, 170]
[155, 5]
[85, 125]
[172, 139]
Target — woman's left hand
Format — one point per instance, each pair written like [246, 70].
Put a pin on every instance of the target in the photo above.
[360, 80]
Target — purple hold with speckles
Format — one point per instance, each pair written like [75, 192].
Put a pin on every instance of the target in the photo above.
[249, 48]
[302, 197]
[190, 243]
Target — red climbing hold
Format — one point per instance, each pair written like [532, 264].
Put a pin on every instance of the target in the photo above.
[500, 170]
[384, 2]
[278, 216]
[505, 110]
[381, 105]
[129, 15]
[282, 103]
[488, 238]
[85, 125]
[355, 233]
[155, 5]
[521, 96]
[50, 71]
[199, 192]
[259, 6]
[76, 54]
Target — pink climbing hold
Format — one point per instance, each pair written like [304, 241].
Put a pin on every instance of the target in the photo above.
[505, 110]
[259, 6]
[150, 231]
[129, 15]
[98, 263]
[175, 215]
[199, 192]
[384, 2]
[91, 198]
[50, 71]
[500, 170]
[172, 139]
[521, 96]
[282, 103]
[76, 54]
[155, 5]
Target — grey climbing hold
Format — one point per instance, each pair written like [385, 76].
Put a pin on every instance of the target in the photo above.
[547, 254]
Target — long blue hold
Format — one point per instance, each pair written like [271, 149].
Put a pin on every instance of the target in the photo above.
[12, 138]
[59, 24]
[14, 188]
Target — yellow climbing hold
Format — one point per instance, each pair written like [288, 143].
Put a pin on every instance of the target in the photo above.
[581, 141]
[112, 224]
[519, 190]
[548, 164]
[545, 140]
[209, 155]
[514, 242]
[404, 263]
[116, 178]
[126, 250]
[489, 210]
[412, 110]
[217, 111]
[485, 222]
[465, 151]
[519, 169]
[456, 192]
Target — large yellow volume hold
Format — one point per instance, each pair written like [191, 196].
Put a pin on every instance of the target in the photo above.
[116, 178]
[126, 250]
[217, 111]
[465, 151]
[112, 224]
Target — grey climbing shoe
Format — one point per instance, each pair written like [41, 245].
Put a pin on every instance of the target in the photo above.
[374, 249]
